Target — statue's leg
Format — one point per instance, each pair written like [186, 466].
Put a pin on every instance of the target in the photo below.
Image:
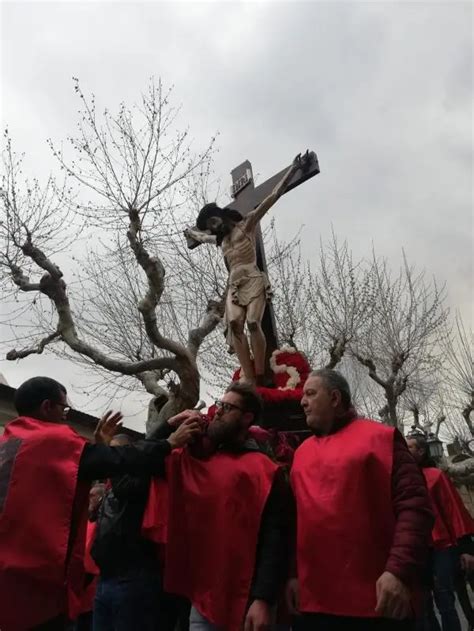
[255, 312]
[235, 315]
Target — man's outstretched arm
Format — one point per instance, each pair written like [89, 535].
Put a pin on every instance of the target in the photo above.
[145, 457]
[256, 215]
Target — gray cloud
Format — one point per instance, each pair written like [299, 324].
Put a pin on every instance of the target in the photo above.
[382, 92]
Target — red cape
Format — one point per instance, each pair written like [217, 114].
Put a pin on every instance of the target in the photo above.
[210, 521]
[452, 519]
[43, 517]
[345, 523]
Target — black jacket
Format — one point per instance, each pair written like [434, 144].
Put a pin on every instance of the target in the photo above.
[145, 457]
[119, 547]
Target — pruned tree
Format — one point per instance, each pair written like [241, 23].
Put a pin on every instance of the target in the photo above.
[341, 296]
[421, 404]
[127, 177]
[320, 310]
[401, 340]
[290, 278]
[459, 371]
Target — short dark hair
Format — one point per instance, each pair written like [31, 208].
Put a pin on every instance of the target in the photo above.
[31, 394]
[252, 400]
[333, 380]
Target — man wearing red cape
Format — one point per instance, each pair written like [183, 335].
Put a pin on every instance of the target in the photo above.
[452, 543]
[363, 518]
[222, 516]
[46, 470]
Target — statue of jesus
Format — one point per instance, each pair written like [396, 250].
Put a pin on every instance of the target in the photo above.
[248, 286]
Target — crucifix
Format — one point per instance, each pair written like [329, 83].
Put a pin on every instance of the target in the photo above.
[236, 228]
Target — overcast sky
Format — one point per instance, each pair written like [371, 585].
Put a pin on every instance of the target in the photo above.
[381, 91]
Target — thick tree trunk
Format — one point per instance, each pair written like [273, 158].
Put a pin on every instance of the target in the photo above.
[392, 415]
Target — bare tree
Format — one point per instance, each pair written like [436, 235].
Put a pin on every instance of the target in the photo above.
[290, 278]
[320, 311]
[341, 295]
[459, 370]
[402, 339]
[129, 175]
[422, 401]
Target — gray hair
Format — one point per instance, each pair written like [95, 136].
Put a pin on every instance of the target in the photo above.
[333, 380]
[420, 439]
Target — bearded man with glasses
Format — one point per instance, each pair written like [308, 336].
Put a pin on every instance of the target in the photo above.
[225, 513]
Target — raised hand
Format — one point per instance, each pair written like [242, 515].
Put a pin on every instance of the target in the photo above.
[297, 161]
[302, 161]
[107, 427]
[185, 433]
[178, 419]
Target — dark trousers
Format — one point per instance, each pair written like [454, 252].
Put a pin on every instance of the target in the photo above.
[325, 622]
[83, 623]
[128, 603]
[464, 598]
[444, 567]
[60, 623]
[174, 613]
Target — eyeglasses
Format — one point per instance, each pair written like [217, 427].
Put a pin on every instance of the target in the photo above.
[227, 407]
[64, 406]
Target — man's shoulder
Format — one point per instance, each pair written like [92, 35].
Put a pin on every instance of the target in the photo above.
[30, 428]
[253, 446]
[372, 426]
[434, 475]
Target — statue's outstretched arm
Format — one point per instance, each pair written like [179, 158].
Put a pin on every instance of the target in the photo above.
[192, 234]
[255, 215]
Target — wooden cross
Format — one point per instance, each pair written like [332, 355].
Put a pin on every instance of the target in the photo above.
[246, 197]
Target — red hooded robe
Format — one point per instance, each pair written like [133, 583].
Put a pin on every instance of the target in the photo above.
[209, 517]
[43, 519]
[452, 519]
[345, 521]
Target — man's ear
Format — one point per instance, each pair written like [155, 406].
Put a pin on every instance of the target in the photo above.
[44, 408]
[336, 398]
[248, 418]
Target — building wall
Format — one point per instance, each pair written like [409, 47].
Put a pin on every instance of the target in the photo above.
[7, 409]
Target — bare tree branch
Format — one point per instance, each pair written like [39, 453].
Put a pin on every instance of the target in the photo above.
[402, 338]
[136, 172]
[35, 350]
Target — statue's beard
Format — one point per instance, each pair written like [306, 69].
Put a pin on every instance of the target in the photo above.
[222, 231]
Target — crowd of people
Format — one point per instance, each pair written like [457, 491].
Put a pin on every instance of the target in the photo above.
[200, 527]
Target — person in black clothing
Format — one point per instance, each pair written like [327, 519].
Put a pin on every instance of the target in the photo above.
[56, 452]
[128, 591]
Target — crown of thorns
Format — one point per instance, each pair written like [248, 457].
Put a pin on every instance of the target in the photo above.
[213, 210]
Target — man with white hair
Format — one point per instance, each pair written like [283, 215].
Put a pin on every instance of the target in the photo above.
[363, 518]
